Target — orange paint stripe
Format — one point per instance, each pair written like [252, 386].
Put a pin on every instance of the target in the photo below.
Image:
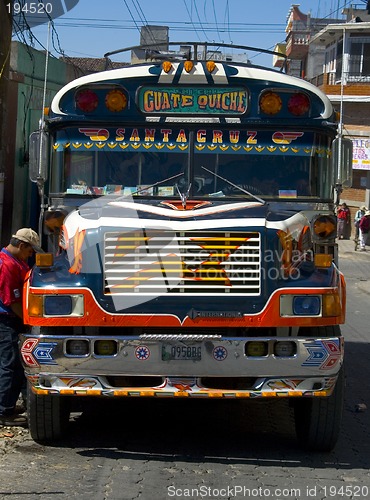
[95, 316]
[181, 394]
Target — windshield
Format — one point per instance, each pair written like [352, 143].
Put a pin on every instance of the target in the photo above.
[162, 161]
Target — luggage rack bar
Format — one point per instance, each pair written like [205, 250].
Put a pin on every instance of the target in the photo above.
[197, 51]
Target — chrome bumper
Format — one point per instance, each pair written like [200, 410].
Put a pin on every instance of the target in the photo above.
[224, 370]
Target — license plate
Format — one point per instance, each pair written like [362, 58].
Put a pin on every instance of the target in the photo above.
[181, 352]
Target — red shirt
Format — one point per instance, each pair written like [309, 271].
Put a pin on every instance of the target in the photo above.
[12, 274]
[343, 213]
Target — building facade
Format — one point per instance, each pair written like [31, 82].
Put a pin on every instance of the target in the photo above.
[334, 54]
[20, 199]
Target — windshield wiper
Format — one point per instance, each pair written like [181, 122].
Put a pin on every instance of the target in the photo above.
[235, 186]
[155, 184]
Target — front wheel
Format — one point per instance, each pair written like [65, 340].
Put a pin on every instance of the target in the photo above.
[48, 416]
[318, 420]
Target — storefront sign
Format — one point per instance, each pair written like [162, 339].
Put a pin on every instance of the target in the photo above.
[361, 154]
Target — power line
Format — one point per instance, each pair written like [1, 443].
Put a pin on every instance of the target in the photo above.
[132, 17]
[227, 18]
[143, 19]
[113, 24]
[139, 18]
[191, 19]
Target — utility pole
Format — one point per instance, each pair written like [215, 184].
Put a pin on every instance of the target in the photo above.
[5, 44]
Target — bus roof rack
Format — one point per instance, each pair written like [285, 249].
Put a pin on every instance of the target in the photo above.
[197, 51]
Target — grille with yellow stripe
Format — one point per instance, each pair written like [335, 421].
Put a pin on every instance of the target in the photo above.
[156, 262]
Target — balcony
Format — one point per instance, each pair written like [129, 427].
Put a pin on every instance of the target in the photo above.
[356, 84]
[297, 44]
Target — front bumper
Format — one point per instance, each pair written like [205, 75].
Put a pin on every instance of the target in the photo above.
[224, 369]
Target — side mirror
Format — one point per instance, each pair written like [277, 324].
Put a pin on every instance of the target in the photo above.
[38, 160]
[342, 155]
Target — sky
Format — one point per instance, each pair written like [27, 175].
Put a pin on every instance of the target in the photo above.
[93, 27]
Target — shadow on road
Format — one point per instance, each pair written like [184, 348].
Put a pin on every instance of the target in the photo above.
[255, 432]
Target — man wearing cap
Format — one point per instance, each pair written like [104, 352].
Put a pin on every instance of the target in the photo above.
[13, 270]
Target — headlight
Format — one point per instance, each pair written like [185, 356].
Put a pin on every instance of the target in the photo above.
[306, 305]
[58, 305]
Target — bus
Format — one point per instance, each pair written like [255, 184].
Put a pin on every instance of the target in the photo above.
[189, 217]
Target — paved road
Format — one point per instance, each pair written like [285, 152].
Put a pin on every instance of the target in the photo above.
[170, 449]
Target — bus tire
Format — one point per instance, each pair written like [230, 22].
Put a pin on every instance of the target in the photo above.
[318, 420]
[48, 416]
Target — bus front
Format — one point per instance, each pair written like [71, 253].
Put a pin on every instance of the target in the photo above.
[197, 257]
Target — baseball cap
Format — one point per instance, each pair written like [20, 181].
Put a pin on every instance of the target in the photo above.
[30, 236]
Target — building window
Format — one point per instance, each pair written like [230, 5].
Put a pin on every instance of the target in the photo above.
[338, 72]
[359, 61]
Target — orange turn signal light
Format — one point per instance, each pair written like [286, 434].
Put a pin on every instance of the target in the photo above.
[331, 305]
[116, 100]
[35, 305]
[270, 103]
[323, 260]
[44, 259]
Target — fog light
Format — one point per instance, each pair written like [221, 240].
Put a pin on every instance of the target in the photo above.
[58, 305]
[256, 348]
[306, 305]
[105, 347]
[79, 347]
[285, 349]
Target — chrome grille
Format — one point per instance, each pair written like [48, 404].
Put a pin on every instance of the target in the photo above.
[155, 262]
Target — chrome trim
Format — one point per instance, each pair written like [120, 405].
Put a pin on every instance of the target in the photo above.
[149, 336]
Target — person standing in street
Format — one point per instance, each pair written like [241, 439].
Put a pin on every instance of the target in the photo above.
[358, 216]
[364, 230]
[343, 218]
[13, 270]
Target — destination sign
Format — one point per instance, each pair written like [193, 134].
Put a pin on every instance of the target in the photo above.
[191, 100]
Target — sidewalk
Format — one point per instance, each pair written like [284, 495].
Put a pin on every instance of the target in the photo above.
[349, 246]
[355, 265]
